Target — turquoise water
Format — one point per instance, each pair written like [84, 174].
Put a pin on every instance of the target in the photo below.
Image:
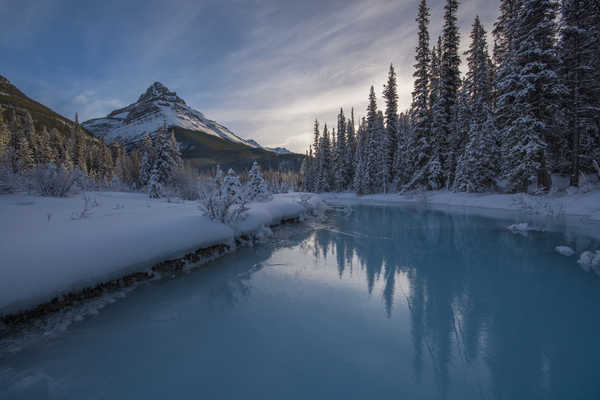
[388, 302]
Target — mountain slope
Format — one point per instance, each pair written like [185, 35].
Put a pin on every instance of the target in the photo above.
[13, 98]
[154, 108]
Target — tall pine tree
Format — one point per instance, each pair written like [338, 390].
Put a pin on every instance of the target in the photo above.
[449, 87]
[390, 95]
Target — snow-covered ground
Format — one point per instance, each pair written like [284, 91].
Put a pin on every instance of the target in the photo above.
[53, 245]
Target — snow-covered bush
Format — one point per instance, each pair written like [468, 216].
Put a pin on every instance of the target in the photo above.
[256, 188]
[50, 180]
[224, 202]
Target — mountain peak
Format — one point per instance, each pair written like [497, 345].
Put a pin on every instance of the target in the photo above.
[4, 81]
[158, 91]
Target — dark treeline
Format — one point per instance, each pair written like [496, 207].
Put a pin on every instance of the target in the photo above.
[528, 109]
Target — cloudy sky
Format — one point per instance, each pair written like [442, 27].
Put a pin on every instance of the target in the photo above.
[264, 68]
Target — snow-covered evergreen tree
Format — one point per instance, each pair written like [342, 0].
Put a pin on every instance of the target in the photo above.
[340, 160]
[325, 160]
[370, 153]
[256, 188]
[579, 51]
[420, 112]
[476, 169]
[225, 202]
[20, 154]
[359, 183]
[44, 153]
[477, 81]
[402, 158]
[306, 171]
[316, 172]
[449, 86]
[351, 144]
[390, 95]
[154, 187]
[78, 147]
[383, 176]
[532, 140]
[167, 161]
[147, 161]
[477, 160]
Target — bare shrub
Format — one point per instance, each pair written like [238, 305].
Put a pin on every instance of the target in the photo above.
[52, 181]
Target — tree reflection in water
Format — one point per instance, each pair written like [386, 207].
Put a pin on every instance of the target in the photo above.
[521, 320]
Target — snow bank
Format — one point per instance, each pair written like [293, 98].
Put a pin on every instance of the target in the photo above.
[50, 246]
[589, 260]
[578, 204]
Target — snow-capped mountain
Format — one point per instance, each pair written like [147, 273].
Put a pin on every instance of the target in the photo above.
[277, 150]
[154, 108]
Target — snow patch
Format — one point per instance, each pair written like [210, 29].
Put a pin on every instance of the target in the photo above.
[522, 228]
[589, 260]
[564, 250]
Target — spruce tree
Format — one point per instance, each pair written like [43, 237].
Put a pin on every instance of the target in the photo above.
[424, 147]
[78, 147]
[317, 156]
[106, 172]
[325, 181]
[167, 161]
[24, 155]
[257, 188]
[351, 144]
[147, 162]
[533, 141]
[390, 95]
[340, 159]
[477, 82]
[476, 167]
[420, 112]
[578, 50]
[372, 166]
[44, 151]
[402, 158]
[383, 176]
[449, 86]
[360, 173]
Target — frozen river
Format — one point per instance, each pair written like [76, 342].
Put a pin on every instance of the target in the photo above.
[387, 302]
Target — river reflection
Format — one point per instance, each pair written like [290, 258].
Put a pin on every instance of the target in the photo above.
[515, 318]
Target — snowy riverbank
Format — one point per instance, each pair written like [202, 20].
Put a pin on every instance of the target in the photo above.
[586, 205]
[50, 246]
